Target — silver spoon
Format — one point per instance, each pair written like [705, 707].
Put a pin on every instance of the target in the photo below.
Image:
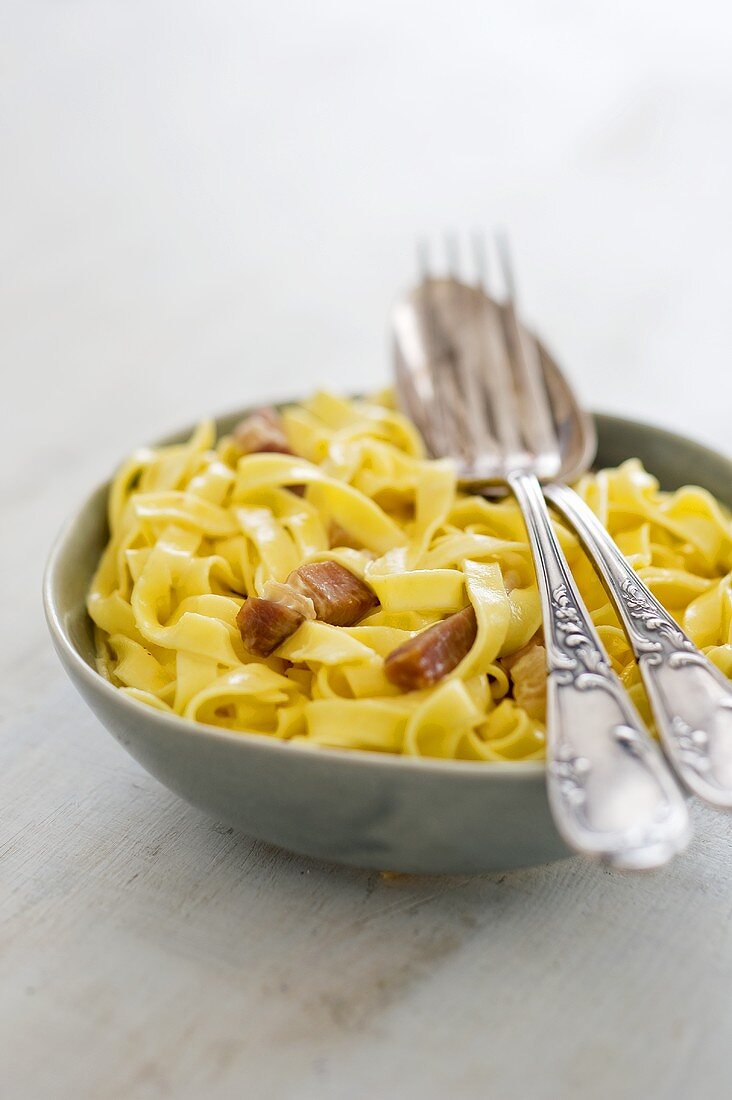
[479, 388]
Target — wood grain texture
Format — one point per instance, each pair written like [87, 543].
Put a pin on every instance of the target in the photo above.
[211, 207]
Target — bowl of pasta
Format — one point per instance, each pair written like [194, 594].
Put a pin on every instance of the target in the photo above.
[298, 622]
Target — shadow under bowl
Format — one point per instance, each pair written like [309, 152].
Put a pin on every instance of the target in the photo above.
[360, 808]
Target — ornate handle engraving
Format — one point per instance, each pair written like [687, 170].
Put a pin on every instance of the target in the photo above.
[690, 698]
[610, 791]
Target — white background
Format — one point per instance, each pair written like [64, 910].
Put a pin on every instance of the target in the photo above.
[205, 203]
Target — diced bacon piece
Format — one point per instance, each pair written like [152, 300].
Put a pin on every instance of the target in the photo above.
[323, 590]
[261, 431]
[430, 655]
[339, 596]
[527, 669]
[265, 625]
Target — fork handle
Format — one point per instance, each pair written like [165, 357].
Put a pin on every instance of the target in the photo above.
[690, 698]
[610, 791]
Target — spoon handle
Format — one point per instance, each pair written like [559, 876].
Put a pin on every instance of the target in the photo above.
[690, 698]
[610, 791]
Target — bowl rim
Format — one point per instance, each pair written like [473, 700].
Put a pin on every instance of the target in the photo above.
[517, 770]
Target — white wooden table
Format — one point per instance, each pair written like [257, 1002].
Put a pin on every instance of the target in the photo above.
[208, 203]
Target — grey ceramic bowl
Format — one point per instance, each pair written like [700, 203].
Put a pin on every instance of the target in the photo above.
[367, 809]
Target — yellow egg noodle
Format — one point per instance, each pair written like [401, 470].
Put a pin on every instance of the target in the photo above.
[196, 527]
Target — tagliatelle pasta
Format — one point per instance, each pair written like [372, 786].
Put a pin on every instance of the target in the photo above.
[197, 527]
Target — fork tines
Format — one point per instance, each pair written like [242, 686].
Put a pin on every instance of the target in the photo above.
[488, 402]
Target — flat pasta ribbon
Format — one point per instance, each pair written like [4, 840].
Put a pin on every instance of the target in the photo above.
[197, 527]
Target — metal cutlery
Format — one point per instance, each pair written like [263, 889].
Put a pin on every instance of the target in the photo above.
[483, 391]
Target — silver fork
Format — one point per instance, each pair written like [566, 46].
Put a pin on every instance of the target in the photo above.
[470, 376]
